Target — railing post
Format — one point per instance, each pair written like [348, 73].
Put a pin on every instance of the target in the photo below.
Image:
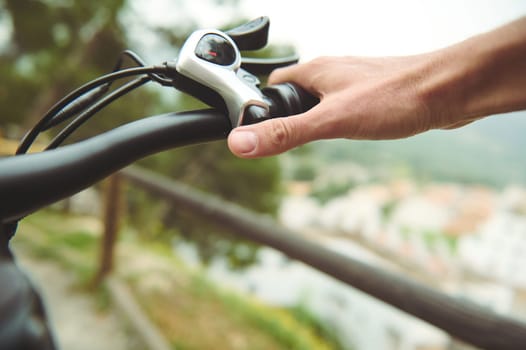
[111, 216]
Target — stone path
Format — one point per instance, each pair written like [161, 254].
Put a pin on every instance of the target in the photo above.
[77, 322]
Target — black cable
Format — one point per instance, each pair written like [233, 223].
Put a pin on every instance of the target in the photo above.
[155, 77]
[82, 102]
[134, 57]
[75, 107]
[89, 98]
[108, 78]
[70, 128]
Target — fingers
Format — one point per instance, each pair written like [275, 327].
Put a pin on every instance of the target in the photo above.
[290, 74]
[276, 136]
[459, 124]
[270, 137]
[281, 75]
[312, 75]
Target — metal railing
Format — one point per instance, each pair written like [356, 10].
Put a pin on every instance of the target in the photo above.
[463, 320]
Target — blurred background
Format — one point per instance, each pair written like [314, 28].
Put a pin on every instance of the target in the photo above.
[447, 208]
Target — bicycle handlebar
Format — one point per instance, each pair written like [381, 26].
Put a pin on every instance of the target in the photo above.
[208, 67]
[31, 181]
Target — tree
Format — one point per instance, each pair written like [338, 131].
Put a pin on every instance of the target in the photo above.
[48, 44]
[55, 47]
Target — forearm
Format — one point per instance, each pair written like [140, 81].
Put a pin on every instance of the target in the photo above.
[483, 75]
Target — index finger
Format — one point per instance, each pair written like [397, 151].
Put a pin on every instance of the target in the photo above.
[282, 75]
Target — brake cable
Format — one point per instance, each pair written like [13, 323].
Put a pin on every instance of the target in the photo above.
[30, 137]
[83, 102]
[94, 108]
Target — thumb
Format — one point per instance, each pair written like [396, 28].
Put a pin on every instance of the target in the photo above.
[269, 137]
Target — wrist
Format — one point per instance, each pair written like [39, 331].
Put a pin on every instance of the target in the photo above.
[448, 80]
[483, 75]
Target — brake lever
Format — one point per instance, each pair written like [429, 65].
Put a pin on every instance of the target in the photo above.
[264, 66]
[252, 35]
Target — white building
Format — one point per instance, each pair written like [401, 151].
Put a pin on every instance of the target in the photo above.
[499, 250]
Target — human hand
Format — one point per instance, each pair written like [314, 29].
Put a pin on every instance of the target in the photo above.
[395, 97]
[360, 98]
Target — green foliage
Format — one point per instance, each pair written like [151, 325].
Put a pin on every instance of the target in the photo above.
[282, 329]
[56, 46]
[387, 210]
[79, 240]
[48, 44]
[331, 190]
[254, 184]
[52, 236]
[431, 238]
[304, 172]
[191, 311]
[305, 317]
[489, 151]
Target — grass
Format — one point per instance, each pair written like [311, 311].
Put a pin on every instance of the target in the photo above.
[191, 311]
[195, 313]
[52, 236]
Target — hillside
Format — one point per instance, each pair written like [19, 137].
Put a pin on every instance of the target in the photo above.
[491, 151]
[185, 306]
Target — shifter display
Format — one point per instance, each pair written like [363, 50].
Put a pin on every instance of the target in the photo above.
[216, 49]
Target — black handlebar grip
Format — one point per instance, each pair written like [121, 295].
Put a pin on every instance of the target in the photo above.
[283, 100]
[288, 99]
[254, 114]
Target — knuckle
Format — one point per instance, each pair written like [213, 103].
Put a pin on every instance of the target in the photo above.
[280, 134]
[321, 60]
[278, 75]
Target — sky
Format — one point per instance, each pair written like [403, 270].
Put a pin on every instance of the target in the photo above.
[336, 27]
[381, 27]
[343, 27]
